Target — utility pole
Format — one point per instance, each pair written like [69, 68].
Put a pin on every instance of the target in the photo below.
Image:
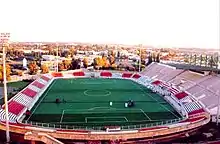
[4, 37]
[57, 67]
[217, 117]
[140, 48]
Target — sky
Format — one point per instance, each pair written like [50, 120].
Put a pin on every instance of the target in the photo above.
[160, 23]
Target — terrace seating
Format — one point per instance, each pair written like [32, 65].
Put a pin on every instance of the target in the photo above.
[144, 80]
[211, 83]
[210, 102]
[195, 89]
[116, 75]
[157, 82]
[201, 110]
[34, 88]
[15, 107]
[170, 74]
[80, 73]
[22, 99]
[181, 95]
[190, 107]
[42, 81]
[45, 78]
[29, 92]
[168, 87]
[127, 75]
[12, 117]
[186, 99]
[153, 70]
[206, 96]
[94, 142]
[186, 80]
[106, 74]
[191, 120]
[173, 90]
[136, 76]
[56, 74]
[38, 84]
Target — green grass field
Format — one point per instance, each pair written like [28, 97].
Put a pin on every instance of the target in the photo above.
[86, 103]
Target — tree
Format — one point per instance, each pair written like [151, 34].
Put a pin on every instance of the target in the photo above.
[200, 62]
[105, 62]
[211, 62]
[60, 67]
[150, 59]
[20, 73]
[8, 72]
[66, 64]
[75, 64]
[85, 62]
[195, 58]
[44, 69]
[98, 63]
[206, 60]
[111, 59]
[158, 58]
[33, 68]
[72, 51]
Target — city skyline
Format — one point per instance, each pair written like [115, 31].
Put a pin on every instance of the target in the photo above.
[170, 23]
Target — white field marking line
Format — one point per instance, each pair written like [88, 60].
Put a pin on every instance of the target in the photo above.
[81, 122]
[101, 108]
[61, 118]
[145, 114]
[41, 99]
[157, 101]
[107, 94]
[86, 119]
[126, 119]
[85, 111]
[115, 109]
[96, 83]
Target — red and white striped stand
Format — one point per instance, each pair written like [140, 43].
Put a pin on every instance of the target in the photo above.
[4, 37]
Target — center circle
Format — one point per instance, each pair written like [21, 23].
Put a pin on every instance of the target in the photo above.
[97, 93]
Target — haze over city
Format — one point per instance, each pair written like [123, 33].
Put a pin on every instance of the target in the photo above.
[170, 23]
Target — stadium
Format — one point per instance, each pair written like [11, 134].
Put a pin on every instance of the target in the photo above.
[158, 104]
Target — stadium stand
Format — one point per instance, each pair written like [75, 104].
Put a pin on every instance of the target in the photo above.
[38, 84]
[204, 88]
[15, 107]
[127, 75]
[116, 75]
[186, 80]
[181, 95]
[106, 74]
[136, 76]
[80, 73]
[56, 74]
[29, 92]
[180, 88]
[161, 72]
[24, 99]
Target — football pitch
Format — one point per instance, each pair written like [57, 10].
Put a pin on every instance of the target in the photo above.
[86, 102]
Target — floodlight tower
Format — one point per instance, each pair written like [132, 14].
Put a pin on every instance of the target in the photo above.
[218, 110]
[4, 37]
[140, 48]
[57, 64]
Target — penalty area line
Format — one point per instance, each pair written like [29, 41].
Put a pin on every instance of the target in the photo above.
[61, 118]
[145, 114]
